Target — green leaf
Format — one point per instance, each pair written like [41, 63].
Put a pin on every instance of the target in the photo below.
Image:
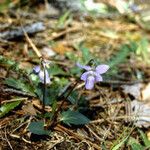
[75, 70]
[6, 108]
[56, 70]
[132, 140]
[134, 143]
[38, 128]
[137, 146]
[4, 5]
[120, 57]
[144, 138]
[143, 50]
[78, 100]
[73, 117]
[54, 106]
[20, 84]
[120, 144]
[133, 46]
[63, 20]
[86, 55]
[73, 97]
[51, 92]
[6, 62]
[72, 56]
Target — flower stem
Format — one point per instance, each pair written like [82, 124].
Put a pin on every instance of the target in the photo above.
[44, 87]
[54, 117]
[60, 106]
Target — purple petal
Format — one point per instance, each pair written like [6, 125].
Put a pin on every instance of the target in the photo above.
[90, 82]
[98, 77]
[36, 69]
[134, 8]
[100, 69]
[84, 76]
[83, 67]
[41, 76]
[47, 77]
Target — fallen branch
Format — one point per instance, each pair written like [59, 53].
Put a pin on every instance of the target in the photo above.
[18, 32]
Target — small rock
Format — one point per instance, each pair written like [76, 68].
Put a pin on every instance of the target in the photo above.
[48, 52]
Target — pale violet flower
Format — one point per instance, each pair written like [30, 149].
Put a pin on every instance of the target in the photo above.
[135, 8]
[92, 74]
[38, 71]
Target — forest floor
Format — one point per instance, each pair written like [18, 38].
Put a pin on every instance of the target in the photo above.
[119, 42]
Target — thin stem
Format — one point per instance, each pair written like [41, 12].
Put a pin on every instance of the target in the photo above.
[65, 98]
[44, 88]
[60, 106]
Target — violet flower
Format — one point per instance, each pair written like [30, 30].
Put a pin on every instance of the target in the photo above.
[38, 71]
[92, 74]
[135, 8]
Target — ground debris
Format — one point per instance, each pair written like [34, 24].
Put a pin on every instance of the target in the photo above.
[134, 90]
[138, 112]
[146, 93]
[90, 37]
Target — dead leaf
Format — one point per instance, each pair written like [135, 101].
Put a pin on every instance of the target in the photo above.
[139, 113]
[146, 93]
[61, 48]
[36, 103]
[29, 109]
[148, 135]
[25, 64]
[134, 90]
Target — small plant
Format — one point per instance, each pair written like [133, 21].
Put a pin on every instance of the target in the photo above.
[136, 144]
[70, 116]
[43, 83]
